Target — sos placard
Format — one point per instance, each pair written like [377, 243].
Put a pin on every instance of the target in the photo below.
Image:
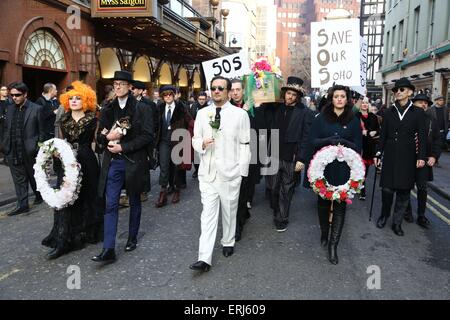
[231, 66]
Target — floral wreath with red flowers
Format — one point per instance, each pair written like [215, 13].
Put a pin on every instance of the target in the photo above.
[319, 183]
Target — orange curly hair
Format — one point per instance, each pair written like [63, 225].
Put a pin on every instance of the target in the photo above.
[88, 96]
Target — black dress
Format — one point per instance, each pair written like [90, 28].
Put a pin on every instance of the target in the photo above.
[81, 222]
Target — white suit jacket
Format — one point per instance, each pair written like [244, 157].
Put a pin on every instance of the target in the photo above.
[229, 157]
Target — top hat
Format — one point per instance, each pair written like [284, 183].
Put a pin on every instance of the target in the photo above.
[404, 83]
[139, 85]
[123, 75]
[422, 97]
[294, 83]
[167, 88]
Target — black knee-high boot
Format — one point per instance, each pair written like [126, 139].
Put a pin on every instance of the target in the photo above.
[336, 230]
[323, 212]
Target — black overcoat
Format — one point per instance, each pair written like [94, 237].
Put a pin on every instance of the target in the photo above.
[399, 140]
[423, 175]
[134, 145]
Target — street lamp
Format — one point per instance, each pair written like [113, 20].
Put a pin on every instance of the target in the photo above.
[214, 4]
[225, 13]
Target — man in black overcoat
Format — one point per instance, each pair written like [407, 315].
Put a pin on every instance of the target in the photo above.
[425, 174]
[402, 147]
[124, 162]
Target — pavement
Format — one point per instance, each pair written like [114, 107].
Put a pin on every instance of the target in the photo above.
[266, 265]
[441, 183]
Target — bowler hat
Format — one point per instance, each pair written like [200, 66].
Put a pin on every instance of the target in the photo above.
[422, 97]
[404, 83]
[139, 85]
[295, 84]
[123, 75]
[167, 88]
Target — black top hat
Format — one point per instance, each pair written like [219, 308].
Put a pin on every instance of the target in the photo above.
[422, 97]
[167, 88]
[404, 83]
[294, 83]
[123, 75]
[139, 85]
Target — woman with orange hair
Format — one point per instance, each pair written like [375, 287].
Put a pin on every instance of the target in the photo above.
[81, 222]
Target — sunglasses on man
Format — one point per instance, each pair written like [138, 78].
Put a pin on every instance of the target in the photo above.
[395, 90]
[16, 95]
[220, 88]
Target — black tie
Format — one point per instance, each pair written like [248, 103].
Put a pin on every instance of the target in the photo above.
[217, 118]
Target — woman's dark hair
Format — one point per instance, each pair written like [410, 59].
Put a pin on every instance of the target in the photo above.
[328, 109]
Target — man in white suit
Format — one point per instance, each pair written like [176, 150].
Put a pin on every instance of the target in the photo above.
[224, 160]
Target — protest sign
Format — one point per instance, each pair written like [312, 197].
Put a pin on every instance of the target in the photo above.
[231, 66]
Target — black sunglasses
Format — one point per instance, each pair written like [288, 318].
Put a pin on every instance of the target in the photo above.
[16, 94]
[217, 88]
[395, 90]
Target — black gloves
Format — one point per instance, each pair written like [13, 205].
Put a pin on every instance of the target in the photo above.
[347, 144]
[333, 140]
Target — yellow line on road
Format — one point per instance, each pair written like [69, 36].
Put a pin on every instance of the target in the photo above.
[434, 211]
[446, 210]
[7, 275]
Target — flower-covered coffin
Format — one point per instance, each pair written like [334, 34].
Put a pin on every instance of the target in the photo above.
[265, 88]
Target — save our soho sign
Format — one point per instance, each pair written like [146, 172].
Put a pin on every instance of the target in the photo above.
[335, 53]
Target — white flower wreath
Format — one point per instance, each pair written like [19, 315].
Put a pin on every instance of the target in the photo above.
[71, 184]
[320, 184]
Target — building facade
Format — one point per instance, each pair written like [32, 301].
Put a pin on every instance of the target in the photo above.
[417, 45]
[372, 29]
[59, 41]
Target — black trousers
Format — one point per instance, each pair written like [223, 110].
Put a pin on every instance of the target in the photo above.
[401, 203]
[242, 211]
[283, 189]
[422, 196]
[23, 175]
[169, 172]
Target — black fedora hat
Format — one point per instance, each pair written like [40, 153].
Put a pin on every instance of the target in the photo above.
[123, 75]
[139, 85]
[167, 88]
[295, 84]
[422, 97]
[404, 83]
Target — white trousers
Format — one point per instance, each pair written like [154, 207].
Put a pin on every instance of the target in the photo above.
[215, 195]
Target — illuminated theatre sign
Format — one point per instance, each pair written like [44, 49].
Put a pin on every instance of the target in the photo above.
[122, 8]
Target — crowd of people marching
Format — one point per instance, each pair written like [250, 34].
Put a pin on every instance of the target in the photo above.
[224, 137]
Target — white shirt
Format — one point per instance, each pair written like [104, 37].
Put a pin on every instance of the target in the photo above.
[123, 102]
[229, 157]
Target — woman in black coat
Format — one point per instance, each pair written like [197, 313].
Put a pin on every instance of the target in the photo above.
[370, 130]
[335, 125]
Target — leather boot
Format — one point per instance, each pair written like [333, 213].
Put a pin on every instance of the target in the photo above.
[176, 196]
[107, 255]
[323, 213]
[162, 200]
[56, 253]
[336, 230]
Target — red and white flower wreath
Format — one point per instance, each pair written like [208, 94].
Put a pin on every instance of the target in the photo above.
[319, 183]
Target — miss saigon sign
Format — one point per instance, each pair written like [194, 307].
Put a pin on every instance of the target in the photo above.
[122, 8]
